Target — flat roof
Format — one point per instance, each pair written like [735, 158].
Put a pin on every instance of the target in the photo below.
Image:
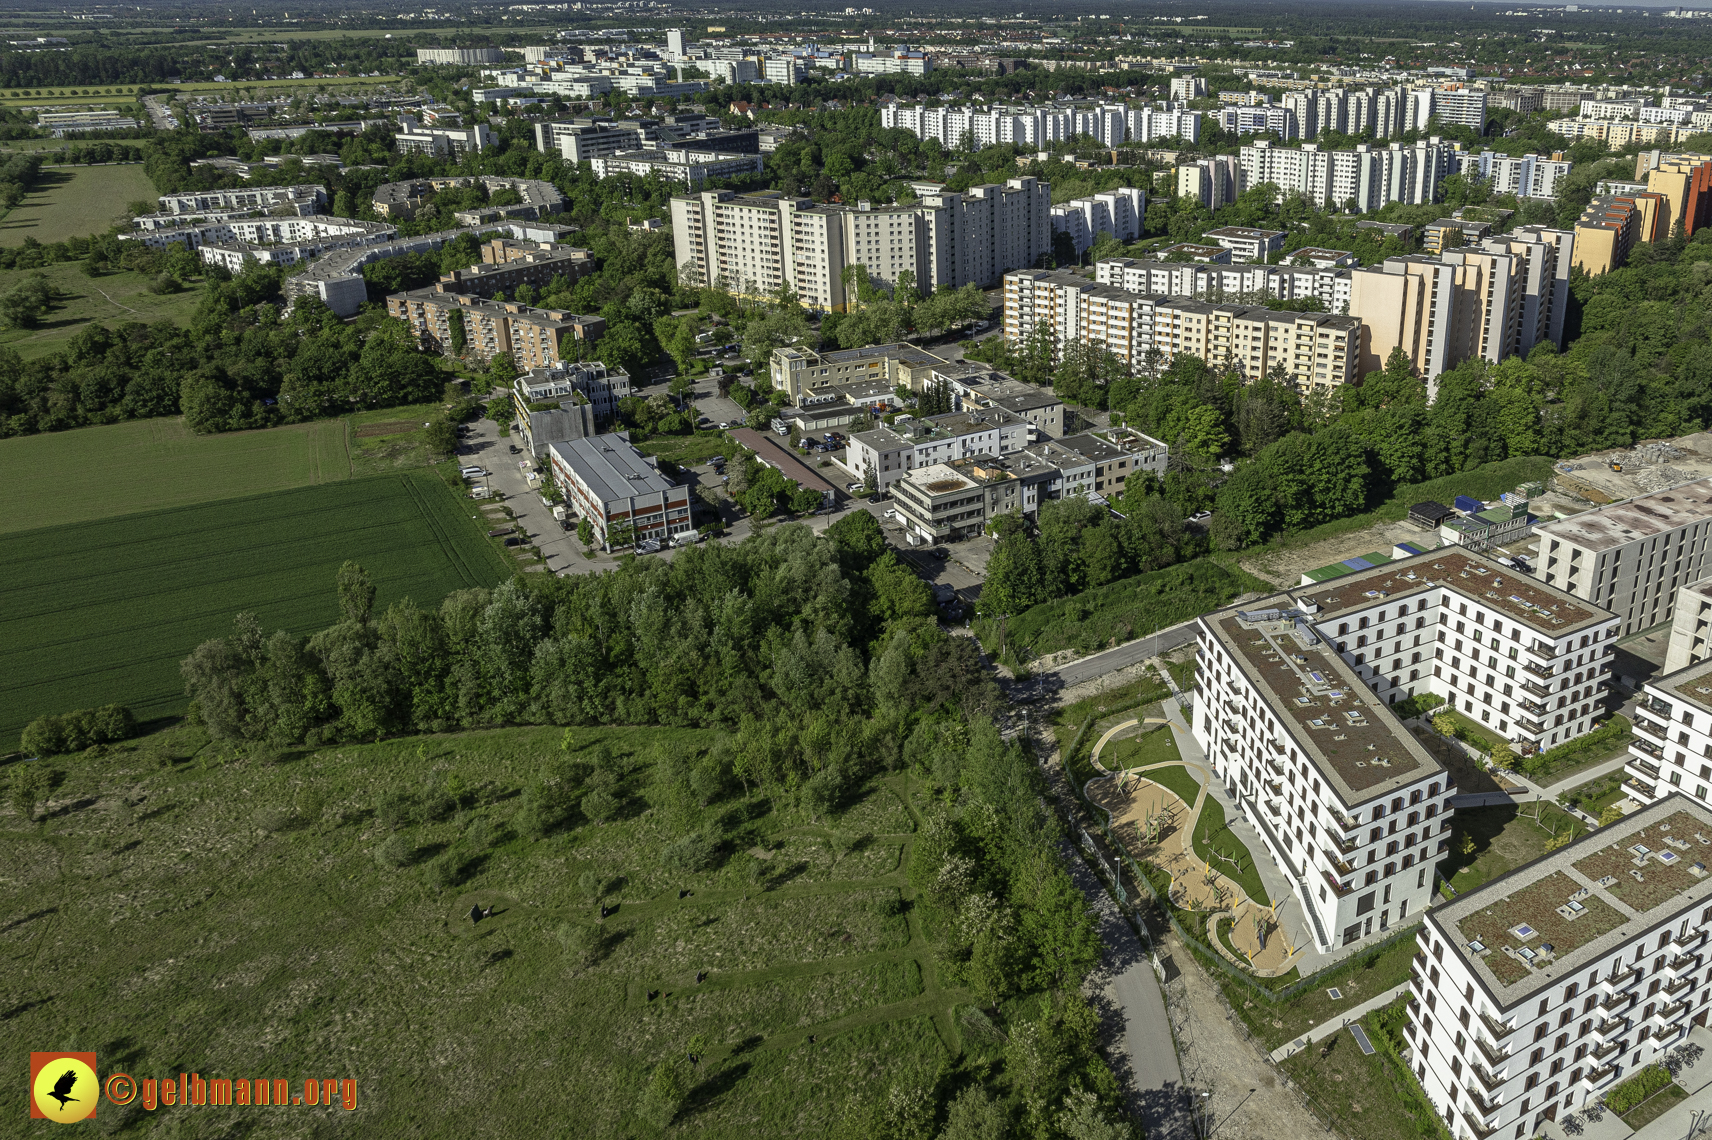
[1353, 740]
[1347, 566]
[1583, 901]
[610, 467]
[1635, 519]
[1519, 596]
[1692, 683]
[776, 455]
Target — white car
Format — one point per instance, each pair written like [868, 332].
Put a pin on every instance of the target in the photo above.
[471, 472]
[891, 513]
[853, 487]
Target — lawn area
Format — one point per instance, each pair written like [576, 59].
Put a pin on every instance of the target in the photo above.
[262, 937]
[1504, 838]
[688, 450]
[1372, 1096]
[388, 439]
[1158, 745]
[1212, 840]
[1363, 978]
[68, 477]
[1595, 796]
[75, 201]
[112, 299]
[1179, 782]
[103, 612]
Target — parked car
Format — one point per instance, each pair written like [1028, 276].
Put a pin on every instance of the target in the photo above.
[891, 513]
[471, 472]
[853, 488]
[1200, 516]
[723, 425]
[940, 553]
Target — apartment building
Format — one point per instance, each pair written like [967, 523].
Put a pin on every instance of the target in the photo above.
[1279, 121]
[507, 264]
[950, 501]
[1527, 176]
[1121, 213]
[1347, 802]
[1535, 993]
[458, 57]
[1498, 299]
[308, 198]
[1158, 123]
[891, 453]
[267, 241]
[1315, 350]
[1685, 181]
[1381, 112]
[536, 197]
[1247, 244]
[1632, 557]
[1612, 226]
[1116, 454]
[534, 338]
[586, 383]
[583, 139]
[686, 166]
[759, 244]
[444, 142]
[1455, 106]
[1109, 124]
[1691, 619]
[1617, 135]
[801, 372]
[1187, 87]
[1672, 748]
[1213, 182]
[618, 489]
[1369, 176]
[1247, 283]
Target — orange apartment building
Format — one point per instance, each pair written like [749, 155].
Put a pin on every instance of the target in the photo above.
[534, 338]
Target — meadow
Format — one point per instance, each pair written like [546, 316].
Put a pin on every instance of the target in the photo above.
[262, 937]
[103, 612]
[111, 299]
[75, 201]
[73, 477]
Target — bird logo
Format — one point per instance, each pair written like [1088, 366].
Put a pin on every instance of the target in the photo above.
[63, 1086]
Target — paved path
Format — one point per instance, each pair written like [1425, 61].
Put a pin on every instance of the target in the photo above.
[1111, 660]
[1331, 1029]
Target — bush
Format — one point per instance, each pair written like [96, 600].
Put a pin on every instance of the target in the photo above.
[75, 731]
[272, 819]
[1415, 706]
[393, 854]
[600, 805]
[1607, 735]
[694, 852]
[1637, 1088]
[393, 810]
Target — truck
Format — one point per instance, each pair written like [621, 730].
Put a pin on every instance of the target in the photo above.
[559, 511]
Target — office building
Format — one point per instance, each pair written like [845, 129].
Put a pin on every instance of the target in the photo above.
[583, 139]
[458, 57]
[1295, 717]
[801, 373]
[564, 402]
[461, 324]
[1116, 454]
[1534, 994]
[1312, 350]
[1248, 284]
[1494, 300]
[888, 453]
[1368, 176]
[1121, 213]
[619, 490]
[758, 244]
[1632, 557]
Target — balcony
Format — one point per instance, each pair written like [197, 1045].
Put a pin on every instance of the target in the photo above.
[1544, 671]
[1685, 941]
[1596, 1077]
[1531, 727]
[1651, 771]
[1679, 986]
[1615, 1002]
[1608, 1049]
[1610, 1028]
[1642, 744]
[1671, 1012]
[1498, 1029]
[1536, 688]
[1542, 649]
[1340, 889]
[1535, 707]
[1481, 1105]
[1488, 1081]
[1344, 846]
[1495, 1057]
[1681, 964]
[1652, 728]
[1653, 705]
[1339, 865]
[1641, 788]
[1478, 1130]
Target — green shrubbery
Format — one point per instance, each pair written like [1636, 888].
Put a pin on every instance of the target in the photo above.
[1607, 735]
[75, 731]
[1637, 1088]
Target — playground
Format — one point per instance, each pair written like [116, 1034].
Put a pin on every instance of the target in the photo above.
[1161, 812]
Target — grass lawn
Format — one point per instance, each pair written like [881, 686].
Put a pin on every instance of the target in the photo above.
[1372, 1096]
[103, 612]
[1365, 977]
[1210, 837]
[75, 201]
[112, 299]
[1180, 782]
[1504, 837]
[262, 938]
[688, 450]
[390, 439]
[69, 477]
[1595, 796]
[1654, 1106]
[1157, 745]
[1471, 726]
[1144, 690]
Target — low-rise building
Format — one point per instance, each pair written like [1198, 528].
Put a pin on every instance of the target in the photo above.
[1501, 525]
[507, 264]
[888, 454]
[537, 198]
[686, 166]
[950, 502]
[1247, 244]
[444, 142]
[768, 449]
[1534, 994]
[1038, 406]
[1632, 557]
[798, 372]
[1118, 453]
[618, 490]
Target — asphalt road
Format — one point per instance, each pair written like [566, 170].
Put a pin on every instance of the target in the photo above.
[1111, 660]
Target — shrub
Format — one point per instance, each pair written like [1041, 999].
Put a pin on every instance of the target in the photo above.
[600, 805]
[272, 819]
[1637, 1088]
[694, 852]
[75, 731]
[393, 810]
[393, 853]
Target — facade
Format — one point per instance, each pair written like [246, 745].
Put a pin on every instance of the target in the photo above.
[1456, 106]
[1280, 121]
[1685, 182]
[1690, 622]
[1213, 182]
[1611, 226]
[1313, 350]
[1534, 994]
[1187, 87]
[508, 264]
[1121, 213]
[1530, 176]
[618, 489]
[533, 338]
[308, 198]
[1490, 641]
[278, 240]
[891, 453]
[461, 57]
[1495, 300]
[1632, 557]
[444, 142]
[1116, 454]
[1369, 176]
[581, 140]
[1036, 406]
[1109, 124]
[800, 372]
[758, 244]
[690, 168]
[1246, 283]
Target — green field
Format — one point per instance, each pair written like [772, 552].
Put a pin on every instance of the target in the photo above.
[61, 478]
[112, 299]
[261, 939]
[104, 611]
[75, 201]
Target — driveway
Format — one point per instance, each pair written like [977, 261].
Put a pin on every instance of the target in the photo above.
[484, 447]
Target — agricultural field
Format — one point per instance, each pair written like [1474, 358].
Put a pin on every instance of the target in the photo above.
[75, 201]
[301, 919]
[104, 611]
[72, 477]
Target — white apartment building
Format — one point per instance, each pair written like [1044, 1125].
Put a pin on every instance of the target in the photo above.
[281, 241]
[1347, 802]
[1279, 120]
[1458, 106]
[1314, 350]
[689, 168]
[1247, 244]
[1246, 283]
[448, 142]
[1110, 124]
[1187, 87]
[1672, 747]
[308, 198]
[1165, 121]
[1535, 993]
[760, 243]
[1214, 182]
[1690, 626]
[1121, 213]
[1632, 557]
[1368, 176]
[1613, 109]
[1530, 176]
[891, 453]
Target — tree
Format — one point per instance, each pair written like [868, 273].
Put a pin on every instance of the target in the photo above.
[975, 1115]
[1205, 434]
[1084, 1119]
[356, 594]
[585, 532]
[1444, 724]
[663, 1096]
[1503, 756]
[31, 783]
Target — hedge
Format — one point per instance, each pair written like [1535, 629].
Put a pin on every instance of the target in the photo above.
[1637, 1088]
[75, 731]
